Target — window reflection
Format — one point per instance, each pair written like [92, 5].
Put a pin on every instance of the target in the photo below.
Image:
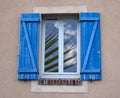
[51, 46]
[70, 46]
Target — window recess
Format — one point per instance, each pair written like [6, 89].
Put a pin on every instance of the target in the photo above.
[60, 47]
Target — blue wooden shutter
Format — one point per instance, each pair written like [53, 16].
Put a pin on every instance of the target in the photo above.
[90, 46]
[28, 47]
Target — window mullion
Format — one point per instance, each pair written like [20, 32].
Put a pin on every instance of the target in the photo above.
[61, 39]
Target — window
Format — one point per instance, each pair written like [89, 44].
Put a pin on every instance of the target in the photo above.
[60, 46]
[61, 49]
[87, 54]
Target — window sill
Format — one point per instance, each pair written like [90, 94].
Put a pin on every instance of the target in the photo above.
[68, 82]
[59, 88]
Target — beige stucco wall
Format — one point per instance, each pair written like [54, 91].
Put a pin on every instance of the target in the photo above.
[109, 87]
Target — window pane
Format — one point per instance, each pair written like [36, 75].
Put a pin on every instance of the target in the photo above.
[51, 46]
[70, 46]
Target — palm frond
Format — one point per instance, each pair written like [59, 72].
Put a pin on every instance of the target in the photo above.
[50, 43]
[56, 64]
[66, 67]
[51, 66]
[51, 37]
[69, 58]
[56, 48]
[51, 52]
[51, 60]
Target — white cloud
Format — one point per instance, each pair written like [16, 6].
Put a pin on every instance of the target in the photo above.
[56, 24]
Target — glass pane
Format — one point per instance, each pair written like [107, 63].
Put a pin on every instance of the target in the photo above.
[70, 46]
[51, 46]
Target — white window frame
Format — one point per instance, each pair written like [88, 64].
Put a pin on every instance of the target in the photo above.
[35, 87]
[60, 73]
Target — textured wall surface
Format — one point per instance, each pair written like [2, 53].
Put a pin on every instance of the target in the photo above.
[109, 87]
